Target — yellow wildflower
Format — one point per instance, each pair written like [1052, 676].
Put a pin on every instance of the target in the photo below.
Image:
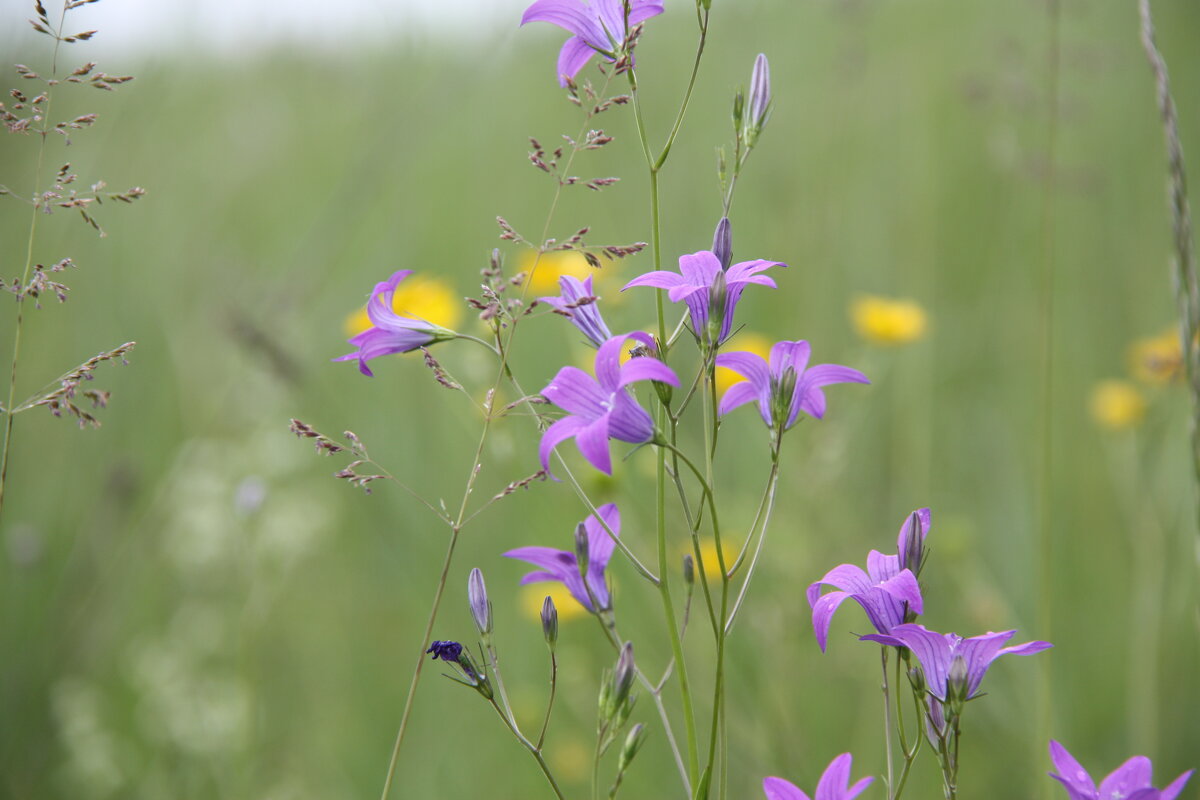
[1117, 405]
[534, 594]
[419, 297]
[544, 279]
[881, 320]
[748, 342]
[1157, 359]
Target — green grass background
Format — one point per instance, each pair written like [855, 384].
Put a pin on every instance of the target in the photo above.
[156, 642]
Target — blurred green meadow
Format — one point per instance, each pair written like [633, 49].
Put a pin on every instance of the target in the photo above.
[192, 607]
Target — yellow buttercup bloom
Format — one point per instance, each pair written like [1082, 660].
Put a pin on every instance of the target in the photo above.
[1117, 405]
[534, 594]
[881, 320]
[1157, 359]
[419, 297]
[551, 266]
[745, 341]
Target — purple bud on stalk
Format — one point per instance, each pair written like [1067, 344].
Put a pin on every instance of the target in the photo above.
[550, 621]
[760, 94]
[581, 549]
[622, 682]
[481, 607]
[723, 243]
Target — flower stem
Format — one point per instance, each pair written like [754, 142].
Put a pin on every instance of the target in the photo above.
[416, 676]
[533, 750]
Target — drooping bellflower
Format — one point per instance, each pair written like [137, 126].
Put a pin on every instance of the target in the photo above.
[834, 784]
[785, 385]
[711, 293]
[949, 659]
[1133, 780]
[602, 408]
[391, 332]
[563, 565]
[578, 304]
[598, 27]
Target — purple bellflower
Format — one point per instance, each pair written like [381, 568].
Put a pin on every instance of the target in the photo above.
[598, 27]
[786, 385]
[578, 304]
[834, 784]
[885, 591]
[938, 654]
[391, 333]
[1133, 780]
[708, 289]
[563, 566]
[602, 408]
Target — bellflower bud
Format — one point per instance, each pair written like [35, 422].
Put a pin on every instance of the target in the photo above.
[550, 621]
[956, 685]
[581, 550]
[739, 104]
[622, 682]
[717, 298]
[723, 243]
[760, 97]
[633, 743]
[689, 569]
[481, 607]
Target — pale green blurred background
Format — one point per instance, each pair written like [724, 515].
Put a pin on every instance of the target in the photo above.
[193, 608]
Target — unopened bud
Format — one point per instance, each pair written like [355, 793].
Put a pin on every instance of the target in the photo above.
[912, 540]
[956, 684]
[481, 607]
[689, 569]
[550, 621]
[581, 549]
[739, 103]
[917, 678]
[633, 743]
[785, 390]
[717, 298]
[622, 682]
[760, 96]
[723, 243]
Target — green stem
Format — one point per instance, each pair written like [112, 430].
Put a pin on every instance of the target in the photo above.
[550, 704]
[416, 676]
[887, 722]
[533, 750]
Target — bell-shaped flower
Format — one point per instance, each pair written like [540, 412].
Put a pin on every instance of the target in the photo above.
[602, 408]
[709, 291]
[938, 653]
[598, 27]
[578, 304]
[834, 784]
[391, 332]
[785, 385]
[885, 591]
[1133, 780]
[563, 565]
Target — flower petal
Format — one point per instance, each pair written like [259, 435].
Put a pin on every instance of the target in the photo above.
[904, 587]
[576, 392]
[1172, 791]
[565, 428]
[1077, 780]
[822, 615]
[834, 778]
[741, 393]
[779, 789]
[646, 369]
[573, 56]
[592, 441]
[600, 544]
[1136, 773]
